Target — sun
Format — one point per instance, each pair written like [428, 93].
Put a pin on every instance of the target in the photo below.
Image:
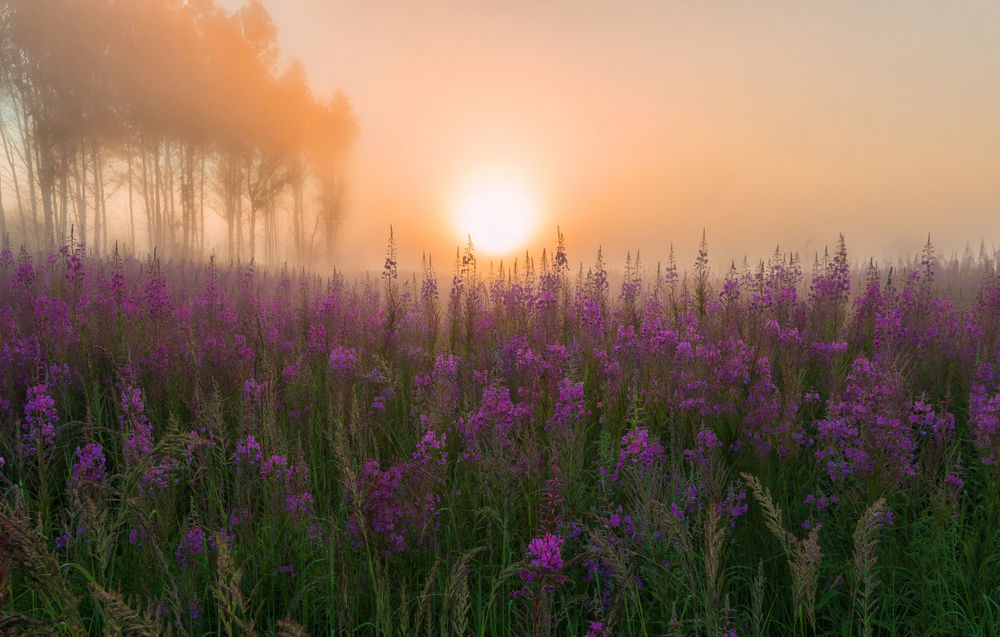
[499, 213]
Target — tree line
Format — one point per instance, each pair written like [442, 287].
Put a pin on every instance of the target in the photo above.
[169, 112]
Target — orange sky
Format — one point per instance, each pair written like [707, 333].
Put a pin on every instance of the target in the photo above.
[639, 123]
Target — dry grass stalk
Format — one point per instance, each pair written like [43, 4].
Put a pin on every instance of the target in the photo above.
[102, 537]
[804, 555]
[288, 627]
[424, 605]
[805, 561]
[404, 608]
[122, 618]
[456, 599]
[227, 592]
[757, 602]
[26, 551]
[772, 512]
[620, 562]
[865, 568]
[715, 532]
[20, 624]
[677, 531]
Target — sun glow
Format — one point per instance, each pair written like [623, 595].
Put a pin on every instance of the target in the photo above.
[498, 213]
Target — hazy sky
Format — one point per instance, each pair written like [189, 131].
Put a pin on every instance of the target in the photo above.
[638, 123]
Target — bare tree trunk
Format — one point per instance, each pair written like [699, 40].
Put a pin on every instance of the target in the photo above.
[253, 209]
[131, 204]
[188, 217]
[45, 185]
[146, 196]
[3, 214]
[157, 209]
[63, 225]
[30, 163]
[298, 214]
[201, 206]
[80, 175]
[8, 152]
[100, 205]
[168, 187]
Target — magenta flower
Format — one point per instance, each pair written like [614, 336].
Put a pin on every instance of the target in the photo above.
[90, 466]
[639, 453]
[41, 422]
[546, 552]
[191, 547]
[342, 361]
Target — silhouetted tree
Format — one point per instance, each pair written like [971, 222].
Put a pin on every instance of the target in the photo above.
[179, 103]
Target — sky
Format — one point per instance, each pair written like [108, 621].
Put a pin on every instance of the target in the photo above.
[637, 124]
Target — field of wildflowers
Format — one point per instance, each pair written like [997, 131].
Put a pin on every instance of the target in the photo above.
[193, 449]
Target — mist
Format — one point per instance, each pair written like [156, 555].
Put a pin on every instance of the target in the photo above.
[299, 132]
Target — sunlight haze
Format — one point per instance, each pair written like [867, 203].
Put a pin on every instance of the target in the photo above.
[763, 123]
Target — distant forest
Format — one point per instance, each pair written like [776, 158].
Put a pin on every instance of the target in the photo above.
[171, 113]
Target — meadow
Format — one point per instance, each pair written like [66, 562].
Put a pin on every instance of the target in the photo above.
[190, 448]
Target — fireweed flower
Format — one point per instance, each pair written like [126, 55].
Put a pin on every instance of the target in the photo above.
[139, 431]
[65, 541]
[276, 470]
[706, 442]
[733, 506]
[160, 477]
[639, 453]
[431, 448]
[90, 466]
[546, 552]
[493, 426]
[984, 416]
[254, 393]
[546, 557]
[195, 609]
[41, 422]
[570, 410]
[299, 504]
[954, 481]
[597, 629]
[873, 429]
[248, 454]
[398, 507]
[342, 361]
[191, 547]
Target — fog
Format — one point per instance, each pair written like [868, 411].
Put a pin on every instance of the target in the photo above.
[299, 131]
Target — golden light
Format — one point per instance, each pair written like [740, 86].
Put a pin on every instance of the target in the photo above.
[499, 213]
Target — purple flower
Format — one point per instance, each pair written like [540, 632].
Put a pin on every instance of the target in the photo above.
[299, 504]
[40, 422]
[139, 440]
[342, 361]
[871, 432]
[954, 481]
[276, 469]
[398, 507]
[639, 453]
[255, 392]
[546, 552]
[159, 477]
[431, 448]
[191, 547]
[734, 505]
[195, 610]
[706, 442]
[90, 466]
[248, 453]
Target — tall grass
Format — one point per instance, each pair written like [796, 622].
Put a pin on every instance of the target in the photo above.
[194, 449]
